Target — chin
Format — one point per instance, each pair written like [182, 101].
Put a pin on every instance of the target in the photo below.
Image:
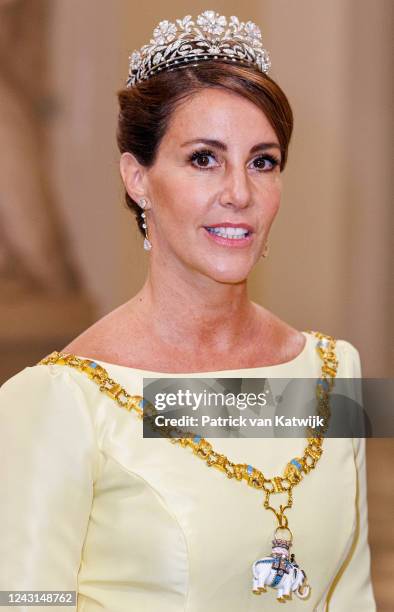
[231, 275]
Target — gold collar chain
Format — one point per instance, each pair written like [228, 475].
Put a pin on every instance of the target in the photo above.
[293, 472]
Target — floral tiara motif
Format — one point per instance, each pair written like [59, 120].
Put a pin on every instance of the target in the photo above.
[211, 36]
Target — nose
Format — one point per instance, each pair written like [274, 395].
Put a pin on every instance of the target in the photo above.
[235, 189]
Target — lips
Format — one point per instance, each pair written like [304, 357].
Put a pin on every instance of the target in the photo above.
[229, 235]
[234, 232]
[246, 226]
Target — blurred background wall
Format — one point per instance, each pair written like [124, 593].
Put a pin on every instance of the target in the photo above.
[69, 251]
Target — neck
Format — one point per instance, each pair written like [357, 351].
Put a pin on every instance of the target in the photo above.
[195, 310]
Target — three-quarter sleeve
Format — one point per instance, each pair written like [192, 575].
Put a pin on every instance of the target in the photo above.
[352, 587]
[48, 458]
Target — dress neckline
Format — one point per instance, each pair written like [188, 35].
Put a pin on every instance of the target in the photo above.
[156, 374]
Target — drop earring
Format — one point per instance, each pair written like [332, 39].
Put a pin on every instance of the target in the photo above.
[147, 245]
[265, 250]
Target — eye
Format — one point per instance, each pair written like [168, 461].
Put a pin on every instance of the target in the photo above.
[200, 159]
[266, 163]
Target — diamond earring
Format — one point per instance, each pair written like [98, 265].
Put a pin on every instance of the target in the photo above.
[147, 245]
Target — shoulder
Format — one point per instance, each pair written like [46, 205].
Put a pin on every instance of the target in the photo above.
[47, 421]
[349, 362]
[42, 392]
[51, 411]
[31, 381]
[349, 359]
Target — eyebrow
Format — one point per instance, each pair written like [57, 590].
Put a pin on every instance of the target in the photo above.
[261, 146]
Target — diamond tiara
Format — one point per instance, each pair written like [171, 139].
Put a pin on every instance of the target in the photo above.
[211, 36]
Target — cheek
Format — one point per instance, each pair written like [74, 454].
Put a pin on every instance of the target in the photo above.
[272, 196]
[179, 198]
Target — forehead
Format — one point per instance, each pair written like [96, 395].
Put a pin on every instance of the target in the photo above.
[221, 114]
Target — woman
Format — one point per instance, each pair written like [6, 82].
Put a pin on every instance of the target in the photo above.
[132, 523]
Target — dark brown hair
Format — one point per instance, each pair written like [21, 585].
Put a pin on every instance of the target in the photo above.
[146, 108]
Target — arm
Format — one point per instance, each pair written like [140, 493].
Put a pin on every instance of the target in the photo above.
[352, 587]
[47, 469]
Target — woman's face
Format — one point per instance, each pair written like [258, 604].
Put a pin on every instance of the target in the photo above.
[218, 166]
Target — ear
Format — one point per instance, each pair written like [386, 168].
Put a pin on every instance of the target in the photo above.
[133, 176]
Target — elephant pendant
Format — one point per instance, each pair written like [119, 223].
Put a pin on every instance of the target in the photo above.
[280, 573]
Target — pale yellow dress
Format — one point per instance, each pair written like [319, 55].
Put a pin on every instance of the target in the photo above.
[142, 525]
